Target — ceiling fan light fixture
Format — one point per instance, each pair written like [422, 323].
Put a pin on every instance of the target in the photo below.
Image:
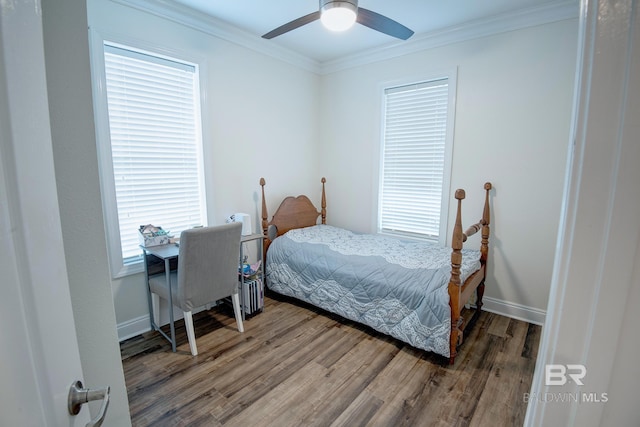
[346, 13]
[338, 15]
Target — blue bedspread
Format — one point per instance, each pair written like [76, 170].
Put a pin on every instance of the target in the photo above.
[396, 287]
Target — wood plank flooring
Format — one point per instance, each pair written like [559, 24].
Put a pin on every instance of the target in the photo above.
[296, 365]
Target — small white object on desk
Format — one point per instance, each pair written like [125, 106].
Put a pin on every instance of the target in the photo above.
[245, 219]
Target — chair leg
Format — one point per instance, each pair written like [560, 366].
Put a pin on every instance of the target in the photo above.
[191, 335]
[236, 309]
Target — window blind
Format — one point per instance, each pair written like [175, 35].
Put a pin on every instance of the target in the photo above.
[153, 109]
[413, 159]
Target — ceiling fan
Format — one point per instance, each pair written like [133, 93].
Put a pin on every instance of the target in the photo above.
[341, 15]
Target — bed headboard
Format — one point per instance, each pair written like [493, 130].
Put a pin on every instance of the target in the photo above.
[293, 212]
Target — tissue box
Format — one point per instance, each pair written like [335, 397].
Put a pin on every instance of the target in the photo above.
[245, 219]
[149, 235]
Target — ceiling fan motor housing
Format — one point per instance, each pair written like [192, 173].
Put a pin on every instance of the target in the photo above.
[338, 15]
[329, 4]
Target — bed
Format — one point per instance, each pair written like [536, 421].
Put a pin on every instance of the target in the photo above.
[412, 291]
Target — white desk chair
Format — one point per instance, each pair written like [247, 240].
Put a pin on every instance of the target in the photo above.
[207, 272]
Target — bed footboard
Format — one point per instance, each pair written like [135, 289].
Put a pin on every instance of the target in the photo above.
[459, 293]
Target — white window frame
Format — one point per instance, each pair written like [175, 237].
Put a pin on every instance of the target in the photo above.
[451, 76]
[119, 267]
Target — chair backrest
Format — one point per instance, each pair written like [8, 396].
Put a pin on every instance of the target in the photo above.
[207, 265]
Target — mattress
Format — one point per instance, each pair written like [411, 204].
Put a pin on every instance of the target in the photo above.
[395, 286]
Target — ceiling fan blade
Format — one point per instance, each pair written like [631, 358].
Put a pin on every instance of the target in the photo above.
[293, 25]
[383, 24]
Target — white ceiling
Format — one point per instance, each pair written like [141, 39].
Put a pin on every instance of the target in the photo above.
[424, 17]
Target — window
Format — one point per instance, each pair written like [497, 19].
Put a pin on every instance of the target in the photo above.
[415, 159]
[150, 151]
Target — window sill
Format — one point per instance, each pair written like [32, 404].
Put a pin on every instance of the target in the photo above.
[130, 269]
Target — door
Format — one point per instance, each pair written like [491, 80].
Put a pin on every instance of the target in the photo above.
[39, 351]
[593, 299]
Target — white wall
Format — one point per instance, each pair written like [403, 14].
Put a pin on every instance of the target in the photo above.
[268, 118]
[261, 122]
[513, 110]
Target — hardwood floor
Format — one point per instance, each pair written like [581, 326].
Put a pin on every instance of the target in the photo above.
[296, 365]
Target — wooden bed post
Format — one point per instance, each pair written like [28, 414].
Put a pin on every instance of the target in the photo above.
[265, 224]
[323, 211]
[484, 244]
[264, 208]
[486, 220]
[454, 283]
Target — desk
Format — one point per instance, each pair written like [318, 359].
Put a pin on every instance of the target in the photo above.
[165, 253]
[168, 255]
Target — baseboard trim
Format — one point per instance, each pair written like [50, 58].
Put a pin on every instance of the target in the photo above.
[140, 325]
[514, 310]
[133, 327]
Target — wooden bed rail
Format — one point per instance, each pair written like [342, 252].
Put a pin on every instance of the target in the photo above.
[455, 285]
[485, 217]
[471, 230]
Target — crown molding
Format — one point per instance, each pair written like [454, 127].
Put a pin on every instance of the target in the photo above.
[538, 15]
[525, 18]
[207, 24]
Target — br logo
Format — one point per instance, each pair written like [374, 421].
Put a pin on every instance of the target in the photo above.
[557, 374]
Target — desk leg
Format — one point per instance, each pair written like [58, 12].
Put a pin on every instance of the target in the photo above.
[167, 270]
[242, 301]
[152, 308]
[260, 273]
[155, 304]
